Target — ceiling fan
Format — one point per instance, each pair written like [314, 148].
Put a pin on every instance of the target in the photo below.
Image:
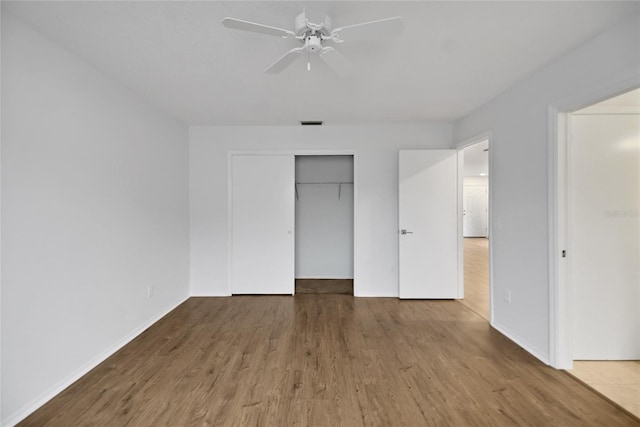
[314, 37]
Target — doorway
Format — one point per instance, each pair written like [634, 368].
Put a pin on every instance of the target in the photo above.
[603, 235]
[324, 227]
[474, 162]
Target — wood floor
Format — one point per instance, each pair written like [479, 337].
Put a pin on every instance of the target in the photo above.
[324, 286]
[325, 360]
[615, 380]
[476, 275]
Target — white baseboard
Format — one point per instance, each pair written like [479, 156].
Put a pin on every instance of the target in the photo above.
[204, 295]
[522, 343]
[30, 407]
[324, 278]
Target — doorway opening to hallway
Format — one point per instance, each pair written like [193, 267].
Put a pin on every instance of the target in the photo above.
[602, 250]
[475, 227]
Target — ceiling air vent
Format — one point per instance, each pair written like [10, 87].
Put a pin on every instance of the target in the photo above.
[311, 122]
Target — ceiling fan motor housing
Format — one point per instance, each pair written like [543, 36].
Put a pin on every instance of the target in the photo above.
[312, 43]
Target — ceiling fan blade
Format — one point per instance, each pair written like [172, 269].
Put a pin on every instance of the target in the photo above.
[239, 24]
[336, 61]
[284, 61]
[381, 28]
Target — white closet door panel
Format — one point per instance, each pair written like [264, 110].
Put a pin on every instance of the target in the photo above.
[428, 214]
[475, 211]
[263, 218]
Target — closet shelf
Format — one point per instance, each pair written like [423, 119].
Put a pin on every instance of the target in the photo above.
[338, 183]
[324, 183]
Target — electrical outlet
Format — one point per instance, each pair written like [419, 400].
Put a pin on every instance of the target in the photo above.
[507, 296]
[149, 291]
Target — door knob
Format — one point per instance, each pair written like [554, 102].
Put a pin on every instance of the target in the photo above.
[403, 232]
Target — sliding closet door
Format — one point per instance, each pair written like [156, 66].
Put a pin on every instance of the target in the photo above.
[262, 224]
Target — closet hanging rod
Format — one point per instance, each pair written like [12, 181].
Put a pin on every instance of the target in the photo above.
[338, 183]
[324, 183]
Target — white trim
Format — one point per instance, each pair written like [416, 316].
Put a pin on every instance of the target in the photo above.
[324, 278]
[460, 166]
[559, 296]
[230, 155]
[560, 303]
[609, 110]
[1, 234]
[36, 403]
[356, 180]
[484, 136]
[552, 230]
[558, 147]
[489, 136]
[293, 152]
[346, 152]
[521, 342]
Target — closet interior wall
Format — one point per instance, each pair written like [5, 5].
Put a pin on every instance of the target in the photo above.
[324, 217]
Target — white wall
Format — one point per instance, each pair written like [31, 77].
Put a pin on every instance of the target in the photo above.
[605, 248]
[324, 217]
[479, 181]
[95, 210]
[376, 175]
[519, 128]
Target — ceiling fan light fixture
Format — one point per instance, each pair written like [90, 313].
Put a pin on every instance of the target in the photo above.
[313, 36]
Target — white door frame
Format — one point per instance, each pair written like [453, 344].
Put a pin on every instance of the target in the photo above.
[559, 240]
[353, 153]
[460, 146]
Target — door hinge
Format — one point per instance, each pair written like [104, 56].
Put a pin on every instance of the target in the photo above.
[564, 253]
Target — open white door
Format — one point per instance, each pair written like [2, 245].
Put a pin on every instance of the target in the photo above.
[604, 251]
[428, 219]
[262, 218]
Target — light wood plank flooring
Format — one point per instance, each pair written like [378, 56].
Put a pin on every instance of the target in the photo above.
[476, 275]
[325, 360]
[616, 380]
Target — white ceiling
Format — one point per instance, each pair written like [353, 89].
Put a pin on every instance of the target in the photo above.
[451, 58]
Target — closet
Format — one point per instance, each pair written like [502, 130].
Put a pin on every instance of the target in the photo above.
[291, 217]
[324, 224]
